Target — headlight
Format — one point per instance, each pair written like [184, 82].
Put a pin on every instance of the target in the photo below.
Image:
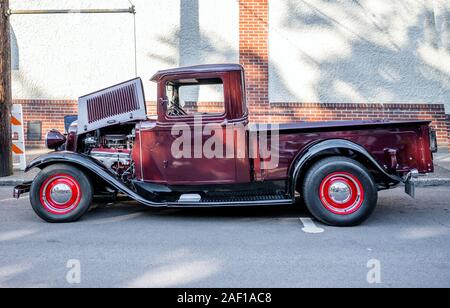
[54, 139]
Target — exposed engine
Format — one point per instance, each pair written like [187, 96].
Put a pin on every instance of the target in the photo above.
[113, 151]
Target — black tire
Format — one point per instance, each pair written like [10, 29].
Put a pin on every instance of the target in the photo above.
[82, 193]
[322, 206]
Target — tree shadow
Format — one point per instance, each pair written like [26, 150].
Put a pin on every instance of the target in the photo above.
[378, 65]
[191, 46]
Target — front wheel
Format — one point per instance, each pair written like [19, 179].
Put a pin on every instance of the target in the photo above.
[61, 193]
[339, 191]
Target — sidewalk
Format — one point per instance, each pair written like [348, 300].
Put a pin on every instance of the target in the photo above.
[441, 176]
[19, 176]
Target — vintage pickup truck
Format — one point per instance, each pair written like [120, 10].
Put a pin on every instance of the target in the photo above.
[115, 149]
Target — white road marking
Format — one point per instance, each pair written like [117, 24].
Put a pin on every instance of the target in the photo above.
[115, 219]
[309, 226]
[178, 273]
[11, 270]
[12, 199]
[14, 235]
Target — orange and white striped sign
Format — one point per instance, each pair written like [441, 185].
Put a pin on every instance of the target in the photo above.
[18, 138]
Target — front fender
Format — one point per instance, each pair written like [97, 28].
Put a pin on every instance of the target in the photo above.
[66, 157]
[335, 145]
[88, 163]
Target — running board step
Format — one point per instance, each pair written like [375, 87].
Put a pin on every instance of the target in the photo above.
[246, 198]
[196, 200]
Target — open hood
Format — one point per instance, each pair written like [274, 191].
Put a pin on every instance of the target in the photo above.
[120, 103]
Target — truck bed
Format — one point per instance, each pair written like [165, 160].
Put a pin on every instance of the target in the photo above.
[324, 125]
[409, 140]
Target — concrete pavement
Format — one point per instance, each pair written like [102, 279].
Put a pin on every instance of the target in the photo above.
[127, 245]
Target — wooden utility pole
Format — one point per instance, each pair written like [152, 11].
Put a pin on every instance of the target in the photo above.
[6, 163]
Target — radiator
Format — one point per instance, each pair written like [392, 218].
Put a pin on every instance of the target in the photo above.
[120, 103]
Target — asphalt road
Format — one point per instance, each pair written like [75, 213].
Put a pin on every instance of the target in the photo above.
[406, 243]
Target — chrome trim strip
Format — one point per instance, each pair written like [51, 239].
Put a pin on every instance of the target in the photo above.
[140, 153]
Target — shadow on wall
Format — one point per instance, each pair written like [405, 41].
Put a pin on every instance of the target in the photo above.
[386, 56]
[189, 38]
[388, 66]
[189, 46]
[14, 51]
[192, 46]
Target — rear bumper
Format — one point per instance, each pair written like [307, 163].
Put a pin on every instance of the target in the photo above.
[410, 183]
[21, 189]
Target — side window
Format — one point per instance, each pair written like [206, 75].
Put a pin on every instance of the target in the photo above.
[187, 97]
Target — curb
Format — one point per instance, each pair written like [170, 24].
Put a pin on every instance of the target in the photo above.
[433, 182]
[11, 182]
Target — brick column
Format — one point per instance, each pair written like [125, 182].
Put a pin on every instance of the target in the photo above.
[254, 54]
[447, 118]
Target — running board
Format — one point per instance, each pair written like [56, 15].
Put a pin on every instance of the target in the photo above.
[194, 200]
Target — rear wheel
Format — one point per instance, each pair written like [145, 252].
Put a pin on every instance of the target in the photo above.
[340, 191]
[61, 193]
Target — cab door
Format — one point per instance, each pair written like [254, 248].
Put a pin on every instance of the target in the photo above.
[192, 135]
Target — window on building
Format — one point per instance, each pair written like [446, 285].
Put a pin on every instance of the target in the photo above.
[34, 130]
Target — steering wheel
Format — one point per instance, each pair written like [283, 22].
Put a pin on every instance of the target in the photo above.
[176, 110]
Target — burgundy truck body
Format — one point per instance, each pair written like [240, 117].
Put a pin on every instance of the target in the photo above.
[368, 155]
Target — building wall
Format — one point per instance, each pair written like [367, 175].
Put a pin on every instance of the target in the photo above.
[388, 51]
[67, 56]
[305, 60]
[51, 112]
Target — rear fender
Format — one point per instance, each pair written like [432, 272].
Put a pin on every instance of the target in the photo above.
[334, 146]
[88, 163]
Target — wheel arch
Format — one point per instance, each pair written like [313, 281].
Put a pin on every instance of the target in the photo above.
[94, 177]
[337, 147]
[92, 167]
[83, 162]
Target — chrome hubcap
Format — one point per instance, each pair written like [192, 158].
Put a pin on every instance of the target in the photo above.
[61, 193]
[339, 192]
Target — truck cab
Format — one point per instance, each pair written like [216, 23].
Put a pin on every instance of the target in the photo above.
[177, 115]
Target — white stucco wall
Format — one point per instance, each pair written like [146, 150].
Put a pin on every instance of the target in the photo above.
[360, 51]
[66, 56]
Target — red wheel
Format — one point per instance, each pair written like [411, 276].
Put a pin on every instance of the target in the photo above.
[341, 193]
[60, 194]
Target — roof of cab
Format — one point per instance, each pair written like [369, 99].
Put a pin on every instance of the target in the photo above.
[207, 68]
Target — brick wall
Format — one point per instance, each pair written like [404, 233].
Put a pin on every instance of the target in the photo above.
[448, 131]
[253, 55]
[287, 112]
[51, 113]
